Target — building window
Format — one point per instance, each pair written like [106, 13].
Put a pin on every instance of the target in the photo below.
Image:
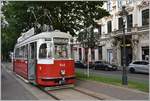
[109, 55]
[145, 53]
[129, 22]
[119, 3]
[109, 26]
[93, 54]
[100, 30]
[80, 53]
[109, 5]
[145, 17]
[129, 1]
[120, 23]
[100, 52]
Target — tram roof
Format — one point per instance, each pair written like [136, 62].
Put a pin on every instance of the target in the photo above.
[43, 35]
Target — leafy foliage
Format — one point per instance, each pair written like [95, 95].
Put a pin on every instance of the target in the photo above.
[67, 16]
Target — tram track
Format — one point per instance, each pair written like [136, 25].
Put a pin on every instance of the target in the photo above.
[53, 96]
[94, 96]
[73, 93]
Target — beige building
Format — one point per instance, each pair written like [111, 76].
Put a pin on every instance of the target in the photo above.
[110, 29]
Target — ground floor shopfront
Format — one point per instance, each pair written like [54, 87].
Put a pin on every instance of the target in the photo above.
[111, 50]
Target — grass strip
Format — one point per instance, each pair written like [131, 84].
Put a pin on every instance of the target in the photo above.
[114, 81]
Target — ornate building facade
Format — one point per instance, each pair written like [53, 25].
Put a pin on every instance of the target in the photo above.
[110, 29]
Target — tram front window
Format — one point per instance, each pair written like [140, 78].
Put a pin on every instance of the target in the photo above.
[61, 51]
[45, 51]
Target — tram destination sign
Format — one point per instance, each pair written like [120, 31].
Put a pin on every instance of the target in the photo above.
[61, 40]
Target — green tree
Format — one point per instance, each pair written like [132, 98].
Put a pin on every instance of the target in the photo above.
[67, 16]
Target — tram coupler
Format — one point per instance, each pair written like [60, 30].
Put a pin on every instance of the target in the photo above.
[62, 81]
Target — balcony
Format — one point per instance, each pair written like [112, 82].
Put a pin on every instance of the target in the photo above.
[105, 35]
[143, 28]
[128, 31]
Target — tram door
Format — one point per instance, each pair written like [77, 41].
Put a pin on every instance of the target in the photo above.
[32, 61]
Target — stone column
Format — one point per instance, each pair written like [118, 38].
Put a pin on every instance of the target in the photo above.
[135, 42]
[114, 48]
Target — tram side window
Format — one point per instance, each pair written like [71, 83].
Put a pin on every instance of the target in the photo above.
[72, 53]
[17, 53]
[43, 51]
[21, 52]
[49, 50]
[26, 51]
[32, 51]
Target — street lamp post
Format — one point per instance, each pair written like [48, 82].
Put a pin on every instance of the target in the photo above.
[124, 13]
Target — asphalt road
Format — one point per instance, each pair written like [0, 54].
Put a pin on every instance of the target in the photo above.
[140, 77]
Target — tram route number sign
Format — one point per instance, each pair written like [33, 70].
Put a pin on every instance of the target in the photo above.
[61, 40]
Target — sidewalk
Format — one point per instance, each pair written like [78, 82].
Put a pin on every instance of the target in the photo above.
[12, 89]
[120, 93]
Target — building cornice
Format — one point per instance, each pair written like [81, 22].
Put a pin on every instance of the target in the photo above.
[128, 8]
[108, 17]
[143, 3]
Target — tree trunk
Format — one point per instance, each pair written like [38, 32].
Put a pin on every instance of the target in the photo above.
[88, 69]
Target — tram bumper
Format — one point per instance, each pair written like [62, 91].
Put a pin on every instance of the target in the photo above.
[54, 81]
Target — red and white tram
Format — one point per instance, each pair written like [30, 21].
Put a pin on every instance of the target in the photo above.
[45, 58]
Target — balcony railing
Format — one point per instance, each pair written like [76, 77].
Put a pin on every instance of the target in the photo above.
[106, 35]
[118, 31]
[128, 31]
[146, 27]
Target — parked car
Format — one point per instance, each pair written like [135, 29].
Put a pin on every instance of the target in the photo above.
[139, 66]
[104, 65]
[91, 64]
[79, 64]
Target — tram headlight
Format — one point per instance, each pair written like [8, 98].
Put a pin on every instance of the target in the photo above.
[40, 68]
[62, 72]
